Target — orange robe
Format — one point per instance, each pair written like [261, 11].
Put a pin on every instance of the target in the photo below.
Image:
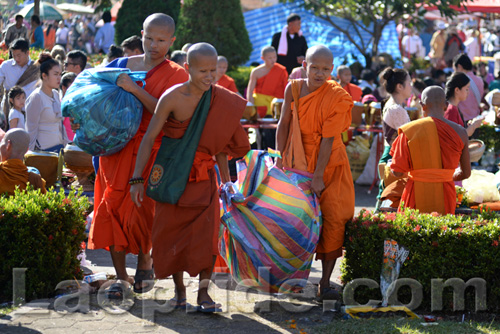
[405, 158]
[13, 172]
[326, 113]
[270, 86]
[185, 235]
[228, 83]
[117, 220]
[355, 92]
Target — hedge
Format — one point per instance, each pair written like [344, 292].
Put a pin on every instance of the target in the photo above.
[241, 75]
[441, 247]
[43, 233]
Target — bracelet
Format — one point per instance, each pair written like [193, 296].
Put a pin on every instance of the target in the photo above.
[136, 180]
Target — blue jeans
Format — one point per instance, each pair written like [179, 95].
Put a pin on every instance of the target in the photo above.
[55, 148]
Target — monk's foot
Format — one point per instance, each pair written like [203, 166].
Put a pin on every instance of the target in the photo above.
[179, 301]
[206, 303]
[144, 280]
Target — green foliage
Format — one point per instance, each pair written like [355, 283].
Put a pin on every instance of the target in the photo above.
[43, 233]
[490, 137]
[241, 75]
[221, 25]
[133, 13]
[440, 247]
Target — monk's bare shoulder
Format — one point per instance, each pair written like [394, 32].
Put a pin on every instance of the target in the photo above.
[136, 63]
[172, 96]
[260, 71]
[460, 130]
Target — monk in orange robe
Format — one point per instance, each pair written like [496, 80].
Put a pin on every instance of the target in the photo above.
[185, 233]
[267, 81]
[429, 150]
[13, 171]
[344, 76]
[222, 78]
[118, 225]
[309, 138]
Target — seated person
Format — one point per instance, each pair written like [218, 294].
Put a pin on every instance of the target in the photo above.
[429, 151]
[267, 81]
[222, 79]
[344, 76]
[13, 172]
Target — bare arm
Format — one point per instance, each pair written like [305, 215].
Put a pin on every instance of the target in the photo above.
[221, 159]
[251, 86]
[325, 151]
[148, 101]
[163, 110]
[463, 172]
[284, 123]
[13, 123]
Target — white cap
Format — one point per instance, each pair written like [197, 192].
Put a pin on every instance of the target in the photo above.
[440, 25]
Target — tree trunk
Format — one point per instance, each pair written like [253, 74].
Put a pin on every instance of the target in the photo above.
[36, 8]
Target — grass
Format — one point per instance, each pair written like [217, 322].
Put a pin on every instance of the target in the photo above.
[389, 326]
[6, 309]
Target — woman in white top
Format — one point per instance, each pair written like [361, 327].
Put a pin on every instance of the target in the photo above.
[44, 120]
[17, 101]
[398, 86]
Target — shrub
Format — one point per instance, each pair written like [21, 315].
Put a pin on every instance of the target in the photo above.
[241, 75]
[219, 23]
[133, 13]
[440, 247]
[43, 233]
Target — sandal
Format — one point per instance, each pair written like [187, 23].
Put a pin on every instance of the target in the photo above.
[328, 294]
[208, 307]
[179, 304]
[117, 291]
[143, 275]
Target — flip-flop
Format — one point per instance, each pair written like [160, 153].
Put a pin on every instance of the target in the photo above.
[116, 291]
[180, 304]
[209, 308]
[143, 275]
[328, 294]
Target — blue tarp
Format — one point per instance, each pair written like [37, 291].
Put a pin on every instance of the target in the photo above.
[263, 23]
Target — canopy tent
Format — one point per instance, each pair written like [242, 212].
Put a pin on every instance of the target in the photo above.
[47, 12]
[483, 6]
[262, 23]
[75, 8]
[435, 15]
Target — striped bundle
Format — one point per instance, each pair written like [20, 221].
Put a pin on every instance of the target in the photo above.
[270, 227]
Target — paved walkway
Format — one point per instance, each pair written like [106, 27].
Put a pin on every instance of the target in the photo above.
[243, 311]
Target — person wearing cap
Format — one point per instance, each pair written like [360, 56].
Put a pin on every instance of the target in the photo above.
[437, 43]
[290, 44]
[16, 31]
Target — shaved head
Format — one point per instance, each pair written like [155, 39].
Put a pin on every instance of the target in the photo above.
[19, 140]
[162, 20]
[266, 50]
[434, 97]
[221, 59]
[319, 51]
[200, 50]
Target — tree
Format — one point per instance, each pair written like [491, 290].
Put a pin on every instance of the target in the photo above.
[372, 16]
[133, 13]
[219, 23]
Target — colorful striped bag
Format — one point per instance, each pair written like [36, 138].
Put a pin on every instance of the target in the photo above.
[270, 226]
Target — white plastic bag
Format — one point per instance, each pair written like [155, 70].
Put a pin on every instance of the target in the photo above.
[481, 187]
[366, 178]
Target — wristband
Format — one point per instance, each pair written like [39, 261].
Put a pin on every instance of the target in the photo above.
[136, 180]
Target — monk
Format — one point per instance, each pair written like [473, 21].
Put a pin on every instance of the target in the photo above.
[344, 76]
[13, 171]
[267, 81]
[222, 79]
[185, 231]
[118, 225]
[309, 138]
[429, 151]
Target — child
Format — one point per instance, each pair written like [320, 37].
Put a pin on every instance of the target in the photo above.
[17, 100]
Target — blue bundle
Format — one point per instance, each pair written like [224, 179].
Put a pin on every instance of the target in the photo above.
[108, 115]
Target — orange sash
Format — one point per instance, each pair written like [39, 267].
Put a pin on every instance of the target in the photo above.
[427, 173]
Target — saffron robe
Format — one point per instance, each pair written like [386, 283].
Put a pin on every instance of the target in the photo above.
[433, 146]
[270, 86]
[326, 113]
[13, 172]
[185, 234]
[117, 220]
[228, 83]
[355, 92]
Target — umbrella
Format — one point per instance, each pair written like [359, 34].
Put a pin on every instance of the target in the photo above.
[76, 8]
[47, 12]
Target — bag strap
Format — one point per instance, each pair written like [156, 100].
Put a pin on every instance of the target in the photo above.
[475, 90]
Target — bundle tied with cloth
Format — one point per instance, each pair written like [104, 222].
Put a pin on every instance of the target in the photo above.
[270, 226]
[108, 115]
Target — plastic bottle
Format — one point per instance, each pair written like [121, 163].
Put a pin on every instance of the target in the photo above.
[95, 277]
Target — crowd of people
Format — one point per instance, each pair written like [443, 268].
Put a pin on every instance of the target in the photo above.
[315, 113]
